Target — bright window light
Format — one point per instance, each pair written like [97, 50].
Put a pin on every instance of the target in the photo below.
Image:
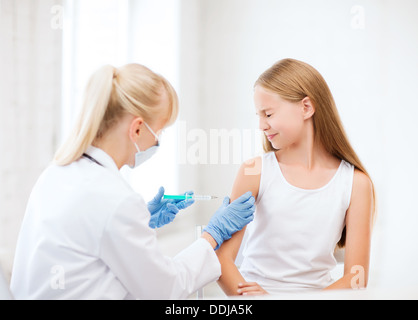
[117, 32]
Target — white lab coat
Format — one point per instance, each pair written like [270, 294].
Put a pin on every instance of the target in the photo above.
[85, 235]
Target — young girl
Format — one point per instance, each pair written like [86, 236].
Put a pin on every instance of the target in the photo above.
[312, 193]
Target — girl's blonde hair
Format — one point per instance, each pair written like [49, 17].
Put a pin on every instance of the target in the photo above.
[294, 80]
[110, 94]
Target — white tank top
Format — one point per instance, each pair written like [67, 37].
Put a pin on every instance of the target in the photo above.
[290, 244]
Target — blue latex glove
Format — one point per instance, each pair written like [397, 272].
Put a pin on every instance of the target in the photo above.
[231, 218]
[163, 211]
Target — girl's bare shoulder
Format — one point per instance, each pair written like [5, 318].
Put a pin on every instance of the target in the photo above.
[248, 178]
[362, 184]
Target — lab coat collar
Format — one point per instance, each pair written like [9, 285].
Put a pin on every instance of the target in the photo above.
[103, 158]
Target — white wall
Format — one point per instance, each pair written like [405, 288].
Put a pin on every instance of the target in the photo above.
[397, 151]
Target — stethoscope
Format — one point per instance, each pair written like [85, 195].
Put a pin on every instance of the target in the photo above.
[92, 159]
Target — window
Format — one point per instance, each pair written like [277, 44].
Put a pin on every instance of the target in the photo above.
[117, 32]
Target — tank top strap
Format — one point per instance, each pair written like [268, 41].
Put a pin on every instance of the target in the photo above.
[346, 177]
[269, 172]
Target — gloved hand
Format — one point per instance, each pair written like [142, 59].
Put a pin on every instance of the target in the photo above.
[231, 218]
[164, 211]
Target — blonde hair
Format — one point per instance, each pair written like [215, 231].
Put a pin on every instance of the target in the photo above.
[111, 93]
[294, 80]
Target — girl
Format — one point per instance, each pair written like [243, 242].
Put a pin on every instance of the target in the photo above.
[312, 192]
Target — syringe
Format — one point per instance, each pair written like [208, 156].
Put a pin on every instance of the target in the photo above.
[189, 196]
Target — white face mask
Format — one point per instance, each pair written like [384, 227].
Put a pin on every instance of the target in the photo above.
[142, 156]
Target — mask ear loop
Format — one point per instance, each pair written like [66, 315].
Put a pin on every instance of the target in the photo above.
[135, 144]
[156, 137]
[152, 131]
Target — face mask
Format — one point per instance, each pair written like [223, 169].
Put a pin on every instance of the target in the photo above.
[142, 156]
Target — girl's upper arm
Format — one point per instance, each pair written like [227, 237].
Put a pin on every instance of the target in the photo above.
[359, 225]
[248, 179]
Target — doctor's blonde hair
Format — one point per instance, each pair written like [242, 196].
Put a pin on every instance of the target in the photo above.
[110, 94]
[294, 80]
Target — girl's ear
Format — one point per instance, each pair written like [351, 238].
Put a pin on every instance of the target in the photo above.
[308, 108]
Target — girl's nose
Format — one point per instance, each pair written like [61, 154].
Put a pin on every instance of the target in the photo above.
[263, 125]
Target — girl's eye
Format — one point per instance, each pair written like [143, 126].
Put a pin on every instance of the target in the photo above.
[268, 115]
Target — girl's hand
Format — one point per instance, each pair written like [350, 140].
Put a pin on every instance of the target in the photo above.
[251, 289]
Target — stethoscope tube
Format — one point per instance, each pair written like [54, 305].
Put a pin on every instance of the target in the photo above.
[92, 159]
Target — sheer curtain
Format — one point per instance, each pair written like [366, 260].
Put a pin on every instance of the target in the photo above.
[30, 95]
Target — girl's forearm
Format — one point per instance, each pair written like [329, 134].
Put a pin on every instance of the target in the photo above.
[348, 281]
[230, 278]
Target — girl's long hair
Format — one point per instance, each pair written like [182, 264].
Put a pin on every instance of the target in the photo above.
[111, 93]
[294, 80]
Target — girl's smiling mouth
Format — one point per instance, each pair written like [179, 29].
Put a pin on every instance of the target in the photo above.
[271, 137]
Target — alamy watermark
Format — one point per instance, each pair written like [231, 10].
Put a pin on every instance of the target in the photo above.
[217, 146]
[57, 277]
[57, 17]
[358, 17]
[358, 281]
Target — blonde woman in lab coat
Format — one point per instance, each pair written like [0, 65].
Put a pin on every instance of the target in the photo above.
[86, 234]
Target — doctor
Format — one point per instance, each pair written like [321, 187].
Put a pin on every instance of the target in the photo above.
[86, 234]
